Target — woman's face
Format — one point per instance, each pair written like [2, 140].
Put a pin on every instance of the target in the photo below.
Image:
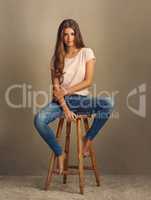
[69, 37]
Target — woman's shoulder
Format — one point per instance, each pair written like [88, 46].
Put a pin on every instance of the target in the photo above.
[88, 53]
[86, 49]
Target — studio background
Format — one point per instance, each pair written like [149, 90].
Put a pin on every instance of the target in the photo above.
[119, 33]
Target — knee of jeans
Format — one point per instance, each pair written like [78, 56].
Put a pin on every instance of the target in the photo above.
[39, 119]
[110, 104]
[107, 109]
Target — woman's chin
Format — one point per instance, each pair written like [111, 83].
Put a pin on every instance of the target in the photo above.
[70, 45]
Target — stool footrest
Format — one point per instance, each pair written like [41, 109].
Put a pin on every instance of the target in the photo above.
[68, 172]
[72, 172]
[76, 167]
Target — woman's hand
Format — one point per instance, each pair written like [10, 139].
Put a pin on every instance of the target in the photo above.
[70, 116]
[60, 92]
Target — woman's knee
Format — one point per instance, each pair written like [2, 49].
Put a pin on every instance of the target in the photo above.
[110, 103]
[45, 116]
[38, 119]
[105, 108]
[107, 104]
[41, 118]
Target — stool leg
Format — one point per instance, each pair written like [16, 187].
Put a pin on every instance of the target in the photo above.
[53, 157]
[80, 156]
[67, 145]
[92, 154]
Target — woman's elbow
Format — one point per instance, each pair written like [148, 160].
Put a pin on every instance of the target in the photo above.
[89, 83]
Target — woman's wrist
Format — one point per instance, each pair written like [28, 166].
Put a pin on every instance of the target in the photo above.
[63, 104]
[66, 91]
[65, 108]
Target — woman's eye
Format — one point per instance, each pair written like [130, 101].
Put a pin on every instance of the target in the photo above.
[65, 34]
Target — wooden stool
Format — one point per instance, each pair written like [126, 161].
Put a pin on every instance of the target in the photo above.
[80, 167]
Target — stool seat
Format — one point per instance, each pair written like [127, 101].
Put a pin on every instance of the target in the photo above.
[53, 165]
[80, 116]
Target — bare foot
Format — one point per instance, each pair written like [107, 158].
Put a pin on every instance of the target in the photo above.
[61, 159]
[86, 144]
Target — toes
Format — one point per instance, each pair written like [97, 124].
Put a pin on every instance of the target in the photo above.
[86, 154]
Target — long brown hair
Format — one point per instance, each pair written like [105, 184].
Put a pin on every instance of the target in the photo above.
[61, 49]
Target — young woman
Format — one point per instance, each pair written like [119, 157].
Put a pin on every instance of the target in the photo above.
[72, 69]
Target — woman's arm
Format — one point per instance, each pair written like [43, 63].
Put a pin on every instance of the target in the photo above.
[56, 87]
[56, 90]
[55, 81]
[87, 82]
[62, 91]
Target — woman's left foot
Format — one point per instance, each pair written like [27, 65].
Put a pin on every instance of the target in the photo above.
[86, 144]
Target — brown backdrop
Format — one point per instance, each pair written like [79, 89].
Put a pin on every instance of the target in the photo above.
[119, 33]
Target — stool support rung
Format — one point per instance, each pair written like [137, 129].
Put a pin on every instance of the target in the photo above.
[69, 172]
[76, 167]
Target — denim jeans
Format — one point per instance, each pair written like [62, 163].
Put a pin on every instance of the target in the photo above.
[79, 104]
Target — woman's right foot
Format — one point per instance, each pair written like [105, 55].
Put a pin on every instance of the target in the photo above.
[61, 159]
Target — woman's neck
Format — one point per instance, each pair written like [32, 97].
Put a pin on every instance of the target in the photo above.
[72, 50]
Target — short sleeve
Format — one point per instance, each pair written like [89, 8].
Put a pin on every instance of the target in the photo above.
[89, 54]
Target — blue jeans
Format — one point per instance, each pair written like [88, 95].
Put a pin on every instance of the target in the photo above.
[100, 106]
